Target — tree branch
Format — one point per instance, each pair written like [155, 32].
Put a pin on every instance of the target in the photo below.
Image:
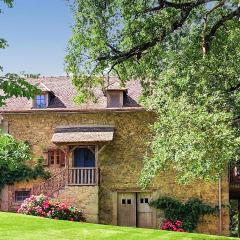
[165, 4]
[138, 50]
[231, 89]
[117, 57]
[206, 19]
[211, 35]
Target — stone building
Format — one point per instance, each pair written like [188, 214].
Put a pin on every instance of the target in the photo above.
[94, 152]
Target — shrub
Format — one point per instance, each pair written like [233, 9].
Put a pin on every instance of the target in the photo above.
[172, 226]
[188, 213]
[15, 159]
[44, 206]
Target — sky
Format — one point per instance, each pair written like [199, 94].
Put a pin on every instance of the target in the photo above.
[37, 32]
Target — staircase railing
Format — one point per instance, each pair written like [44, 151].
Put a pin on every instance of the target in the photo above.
[88, 176]
[52, 185]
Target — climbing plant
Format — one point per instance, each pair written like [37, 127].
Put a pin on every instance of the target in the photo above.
[188, 213]
[15, 157]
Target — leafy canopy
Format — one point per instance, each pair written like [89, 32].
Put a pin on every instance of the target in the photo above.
[187, 56]
[14, 162]
[13, 84]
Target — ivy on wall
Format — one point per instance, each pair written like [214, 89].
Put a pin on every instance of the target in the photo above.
[15, 157]
[189, 212]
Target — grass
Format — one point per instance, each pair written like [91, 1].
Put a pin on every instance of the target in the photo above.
[21, 227]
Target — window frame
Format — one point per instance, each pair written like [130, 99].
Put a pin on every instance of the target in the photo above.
[54, 157]
[21, 196]
[42, 105]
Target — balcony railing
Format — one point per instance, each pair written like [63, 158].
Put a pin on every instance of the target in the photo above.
[82, 176]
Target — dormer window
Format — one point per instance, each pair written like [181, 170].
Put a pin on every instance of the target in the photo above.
[40, 101]
[115, 98]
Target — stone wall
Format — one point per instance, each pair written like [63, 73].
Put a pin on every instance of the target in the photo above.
[120, 162]
[8, 194]
[85, 197]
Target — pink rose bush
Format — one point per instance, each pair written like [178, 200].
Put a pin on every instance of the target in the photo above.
[172, 226]
[44, 206]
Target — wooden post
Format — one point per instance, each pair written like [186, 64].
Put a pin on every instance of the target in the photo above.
[220, 203]
[238, 204]
[67, 165]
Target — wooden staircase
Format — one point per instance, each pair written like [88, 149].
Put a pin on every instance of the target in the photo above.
[67, 177]
[52, 185]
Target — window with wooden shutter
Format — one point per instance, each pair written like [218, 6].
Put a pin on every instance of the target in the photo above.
[51, 156]
[54, 157]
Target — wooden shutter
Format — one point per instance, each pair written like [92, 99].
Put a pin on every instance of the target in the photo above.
[46, 158]
[62, 158]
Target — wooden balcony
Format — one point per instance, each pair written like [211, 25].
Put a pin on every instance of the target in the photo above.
[87, 176]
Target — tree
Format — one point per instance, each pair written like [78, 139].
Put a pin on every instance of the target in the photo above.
[187, 56]
[13, 84]
[14, 162]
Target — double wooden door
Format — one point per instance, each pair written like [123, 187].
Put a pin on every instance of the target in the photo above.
[134, 210]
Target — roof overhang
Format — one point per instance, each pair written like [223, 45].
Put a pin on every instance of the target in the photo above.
[72, 110]
[83, 134]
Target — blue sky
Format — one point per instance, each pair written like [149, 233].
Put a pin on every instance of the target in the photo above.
[37, 32]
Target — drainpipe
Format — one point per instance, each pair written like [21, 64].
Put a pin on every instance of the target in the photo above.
[220, 203]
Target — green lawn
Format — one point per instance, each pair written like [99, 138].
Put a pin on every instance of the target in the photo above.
[20, 227]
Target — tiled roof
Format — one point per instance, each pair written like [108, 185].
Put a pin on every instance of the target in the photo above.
[83, 134]
[64, 93]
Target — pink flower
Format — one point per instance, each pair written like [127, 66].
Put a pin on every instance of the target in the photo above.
[46, 205]
[178, 223]
[164, 227]
[32, 197]
[172, 226]
[19, 210]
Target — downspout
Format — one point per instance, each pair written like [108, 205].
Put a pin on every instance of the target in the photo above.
[220, 204]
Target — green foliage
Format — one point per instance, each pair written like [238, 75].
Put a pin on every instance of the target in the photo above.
[191, 140]
[31, 75]
[9, 2]
[187, 56]
[189, 212]
[233, 228]
[15, 157]
[14, 85]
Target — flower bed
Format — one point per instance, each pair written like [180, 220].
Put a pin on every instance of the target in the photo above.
[44, 206]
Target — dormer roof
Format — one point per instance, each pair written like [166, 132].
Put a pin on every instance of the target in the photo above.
[43, 87]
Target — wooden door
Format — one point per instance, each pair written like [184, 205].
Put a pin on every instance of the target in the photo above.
[84, 157]
[127, 209]
[144, 211]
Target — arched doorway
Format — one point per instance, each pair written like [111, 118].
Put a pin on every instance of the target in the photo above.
[83, 170]
[84, 157]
